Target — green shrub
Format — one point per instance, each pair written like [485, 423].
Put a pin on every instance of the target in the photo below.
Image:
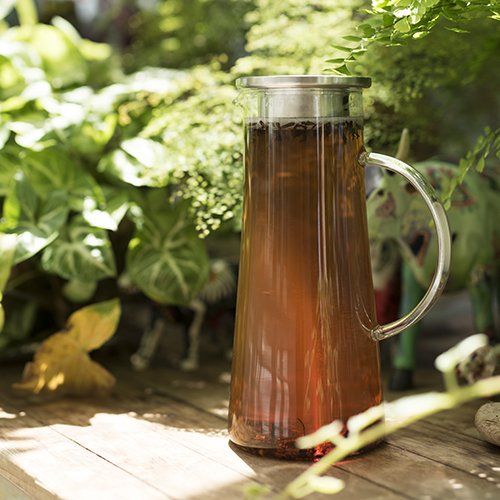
[105, 175]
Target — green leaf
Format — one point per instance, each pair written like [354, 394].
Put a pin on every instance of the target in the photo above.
[140, 162]
[109, 214]
[80, 253]
[402, 26]
[326, 484]
[352, 38]
[53, 169]
[341, 48]
[7, 250]
[480, 164]
[367, 29]
[10, 165]
[67, 29]
[79, 291]
[337, 60]
[13, 80]
[90, 50]
[52, 123]
[94, 51]
[166, 259]
[36, 221]
[387, 20]
[91, 136]
[4, 135]
[62, 61]
[344, 70]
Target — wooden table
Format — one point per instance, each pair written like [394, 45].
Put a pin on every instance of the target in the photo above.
[163, 435]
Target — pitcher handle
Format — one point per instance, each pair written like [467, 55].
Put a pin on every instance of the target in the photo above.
[438, 213]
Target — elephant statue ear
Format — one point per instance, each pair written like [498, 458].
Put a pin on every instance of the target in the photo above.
[403, 152]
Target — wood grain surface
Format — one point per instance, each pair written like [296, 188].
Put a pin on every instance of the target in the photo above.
[162, 434]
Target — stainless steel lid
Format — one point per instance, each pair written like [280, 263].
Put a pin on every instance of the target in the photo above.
[303, 82]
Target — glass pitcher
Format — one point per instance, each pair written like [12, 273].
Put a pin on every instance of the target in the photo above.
[306, 338]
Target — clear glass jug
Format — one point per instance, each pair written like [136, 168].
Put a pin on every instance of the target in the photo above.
[306, 339]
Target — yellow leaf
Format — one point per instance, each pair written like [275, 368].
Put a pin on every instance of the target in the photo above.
[62, 364]
[94, 325]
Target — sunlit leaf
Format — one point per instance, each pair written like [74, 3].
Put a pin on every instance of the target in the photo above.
[81, 253]
[92, 135]
[67, 28]
[327, 485]
[109, 214]
[403, 26]
[5, 7]
[140, 162]
[329, 432]
[359, 422]
[62, 364]
[13, 80]
[61, 59]
[4, 135]
[166, 259]
[447, 361]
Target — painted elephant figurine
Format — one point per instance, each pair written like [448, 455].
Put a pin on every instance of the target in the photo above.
[400, 230]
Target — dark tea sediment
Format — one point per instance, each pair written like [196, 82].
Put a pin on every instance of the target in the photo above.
[303, 356]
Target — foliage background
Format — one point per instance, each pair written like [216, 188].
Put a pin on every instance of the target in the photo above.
[120, 160]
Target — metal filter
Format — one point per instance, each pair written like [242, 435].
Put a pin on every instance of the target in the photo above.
[303, 96]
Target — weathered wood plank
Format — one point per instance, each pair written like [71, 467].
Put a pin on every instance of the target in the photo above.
[182, 451]
[11, 492]
[448, 447]
[419, 476]
[46, 464]
[206, 389]
[460, 421]
[179, 446]
[425, 473]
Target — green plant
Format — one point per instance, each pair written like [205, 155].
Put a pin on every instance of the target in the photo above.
[488, 143]
[396, 22]
[85, 149]
[81, 184]
[183, 33]
[424, 57]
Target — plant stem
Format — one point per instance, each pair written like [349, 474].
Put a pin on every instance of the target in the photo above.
[26, 12]
[443, 401]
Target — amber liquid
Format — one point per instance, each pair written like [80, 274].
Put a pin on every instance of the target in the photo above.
[302, 356]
